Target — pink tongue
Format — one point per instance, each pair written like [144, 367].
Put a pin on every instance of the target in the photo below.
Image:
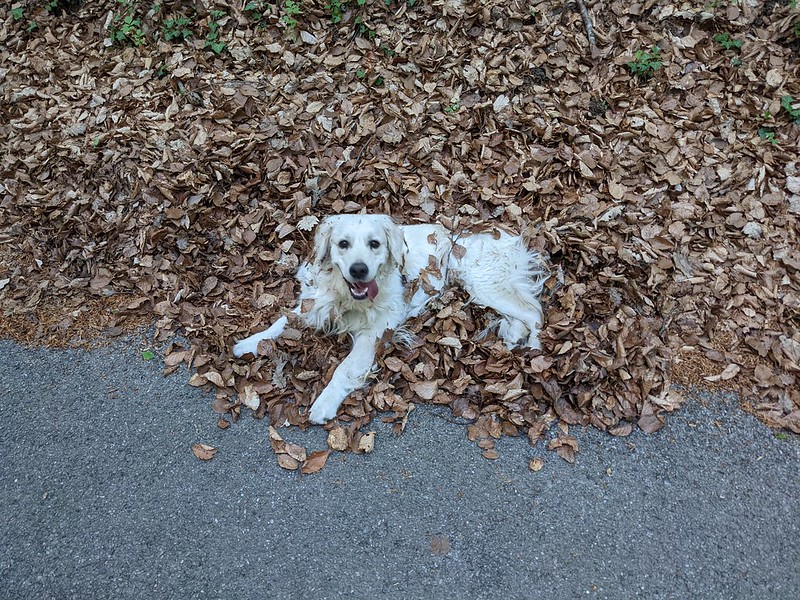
[370, 286]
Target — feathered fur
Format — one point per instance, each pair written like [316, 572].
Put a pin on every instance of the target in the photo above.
[370, 275]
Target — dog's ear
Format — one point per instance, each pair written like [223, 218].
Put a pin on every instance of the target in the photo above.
[322, 242]
[395, 241]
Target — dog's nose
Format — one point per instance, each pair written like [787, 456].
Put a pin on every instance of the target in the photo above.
[359, 271]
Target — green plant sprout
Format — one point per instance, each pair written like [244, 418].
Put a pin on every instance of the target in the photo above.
[727, 42]
[212, 39]
[768, 135]
[645, 63]
[791, 106]
[126, 27]
[336, 9]
[292, 9]
[177, 29]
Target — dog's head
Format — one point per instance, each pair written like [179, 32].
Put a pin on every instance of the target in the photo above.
[362, 247]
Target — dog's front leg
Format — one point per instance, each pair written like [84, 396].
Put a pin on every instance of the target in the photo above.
[249, 345]
[350, 375]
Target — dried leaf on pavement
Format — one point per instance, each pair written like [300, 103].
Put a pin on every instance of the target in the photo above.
[204, 451]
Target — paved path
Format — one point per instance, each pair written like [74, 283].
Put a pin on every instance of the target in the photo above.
[102, 498]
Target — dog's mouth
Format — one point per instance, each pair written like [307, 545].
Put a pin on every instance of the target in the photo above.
[361, 290]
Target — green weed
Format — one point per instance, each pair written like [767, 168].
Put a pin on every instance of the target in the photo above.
[453, 107]
[291, 9]
[258, 11]
[336, 10]
[645, 63]
[791, 106]
[212, 39]
[177, 29]
[768, 135]
[363, 30]
[727, 42]
[126, 28]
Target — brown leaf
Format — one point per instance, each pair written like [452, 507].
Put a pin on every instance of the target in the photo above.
[393, 363]
[250, 398]
[728, 372]
[535, 464]
[425, 389]
[338, 439]
[440, 545]
[565, 446]
[367, 442]
[315, 462]
[622, 430]
[287, 462]
[175, 358]
[536, 432]
[296, 452]
[567, 413]
[540, 363]
[649, 421]
[204, 451]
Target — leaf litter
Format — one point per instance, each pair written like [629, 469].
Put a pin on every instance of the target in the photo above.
[169, 183]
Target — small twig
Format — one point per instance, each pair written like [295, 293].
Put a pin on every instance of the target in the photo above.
[587, 21]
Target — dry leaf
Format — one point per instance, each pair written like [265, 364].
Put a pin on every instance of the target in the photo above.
[287, 462]
[458, 251]
[425, 389]
[728, 373]
[315, 462]
[296, 452]
[535, 464]
[204, 451]
[307, 223]
[440, 545]
[338, 439]
[250, 398]
[367, 442]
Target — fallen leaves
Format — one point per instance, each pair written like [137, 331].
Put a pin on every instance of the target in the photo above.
[182, 187]
[293, 457]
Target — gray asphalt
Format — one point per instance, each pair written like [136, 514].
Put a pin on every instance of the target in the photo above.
[102, 497]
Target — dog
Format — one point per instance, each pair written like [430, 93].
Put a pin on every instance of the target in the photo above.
[369, 275]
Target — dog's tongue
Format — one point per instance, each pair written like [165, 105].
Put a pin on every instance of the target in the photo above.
[370, 286]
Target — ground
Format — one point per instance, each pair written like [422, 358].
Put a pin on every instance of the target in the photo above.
[102, 498]
[168, 170]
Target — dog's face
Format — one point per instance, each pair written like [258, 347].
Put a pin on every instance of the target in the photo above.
[361, 247]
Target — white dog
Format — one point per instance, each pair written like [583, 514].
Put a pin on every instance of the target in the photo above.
[370, 275]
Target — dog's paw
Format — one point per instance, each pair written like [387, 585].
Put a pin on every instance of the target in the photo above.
[247, 346]
[533, 341]
[322, 411]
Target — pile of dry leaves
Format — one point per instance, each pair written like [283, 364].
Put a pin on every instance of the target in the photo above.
[182, 180]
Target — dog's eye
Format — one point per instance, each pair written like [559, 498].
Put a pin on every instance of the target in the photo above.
[374, 244]
[344, 244]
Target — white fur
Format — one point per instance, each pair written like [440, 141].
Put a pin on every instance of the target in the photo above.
[496, 269]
